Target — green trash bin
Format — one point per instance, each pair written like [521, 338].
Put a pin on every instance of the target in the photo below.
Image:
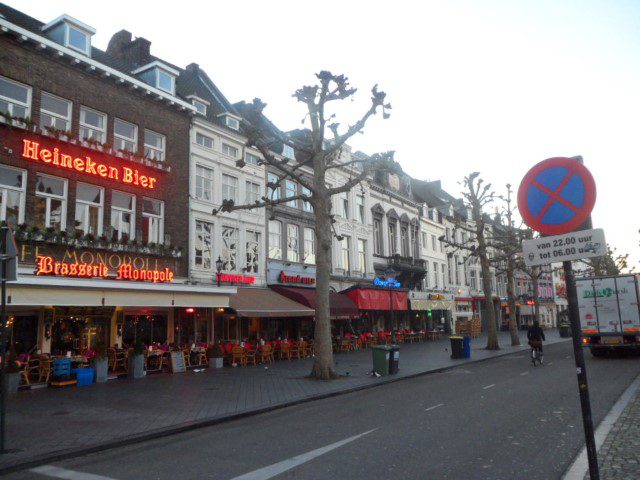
[565, 330]
[457, 346]
[381, 355]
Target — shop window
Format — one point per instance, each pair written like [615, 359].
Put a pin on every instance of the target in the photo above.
[203, 245]
[50, 202]
[55, 112]
[229, 249]
[252, 193]
[290, 191]
[125, 136]
[89, 205]
[93, 125]
[293, 243]
[123, 215]
[204, 141]
[154, 145]
[23, 331]
[309, 246]
[15, 99]
[345, 250]
[148, 329]
[152, 221]
[273, 193]
[253, 252]
[12, 197]
[204, 183]
[275, 239]
[73, 330]
[229, 188]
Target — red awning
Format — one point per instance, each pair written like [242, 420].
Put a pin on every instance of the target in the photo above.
[339, 305]
[374, 299]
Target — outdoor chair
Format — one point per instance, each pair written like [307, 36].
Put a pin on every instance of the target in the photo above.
[250, 356]
[238, 356]
[117, 359]
[285, 351]
[266, 354]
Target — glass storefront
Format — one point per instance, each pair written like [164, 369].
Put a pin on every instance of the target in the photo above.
[149, 328]
[79, 329]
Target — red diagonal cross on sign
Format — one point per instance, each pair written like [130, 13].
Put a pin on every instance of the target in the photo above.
[555, 195]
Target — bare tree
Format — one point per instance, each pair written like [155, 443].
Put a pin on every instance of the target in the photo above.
[478, 195]
[319, 154]
[610, 264]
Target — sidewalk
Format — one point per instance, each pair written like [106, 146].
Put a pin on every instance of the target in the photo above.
[48, 424]
[619, 456]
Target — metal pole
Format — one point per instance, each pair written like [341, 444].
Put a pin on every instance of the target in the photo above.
[583, 386]
[3, 351]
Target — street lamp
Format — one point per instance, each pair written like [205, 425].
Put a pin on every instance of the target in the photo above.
[219, 264]
[390, 275]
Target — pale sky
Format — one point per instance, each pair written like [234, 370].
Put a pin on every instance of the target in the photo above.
[494, 86]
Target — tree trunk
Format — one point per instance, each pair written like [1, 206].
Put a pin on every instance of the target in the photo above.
[536, 293]
[323, 360]
[511, 295]
[492, 331]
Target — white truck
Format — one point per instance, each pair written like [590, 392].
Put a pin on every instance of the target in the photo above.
[609, 313]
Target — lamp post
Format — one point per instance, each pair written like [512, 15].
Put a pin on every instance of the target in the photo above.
[219, 264]
[390, 275]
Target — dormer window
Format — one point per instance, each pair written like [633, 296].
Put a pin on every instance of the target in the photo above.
[158, 75]
[287, 151]
[200, 107]
[71, 33]
[230, 121]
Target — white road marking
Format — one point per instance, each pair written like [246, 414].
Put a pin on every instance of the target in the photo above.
[489, 386]
[550, 363]
[280, 467]
[434, 407]
[57, 472]
[524, 373]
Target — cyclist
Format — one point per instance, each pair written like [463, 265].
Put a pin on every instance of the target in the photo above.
[536, 336]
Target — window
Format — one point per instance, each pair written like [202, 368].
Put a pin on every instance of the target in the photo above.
[450, 270]
[152, 221]
[89, 204]
[123, 211]
[474, 282]
[93, 125]
[441, 246]
[229, 249]
[343, 205]
[426, 275]
[12, 197]
[404, 241]
[201, 107]
[443, 267]
[165, 81]
[309, 246]
[275, 239]
[457, 268]
[293, 245]
[252, 159]
[287, 151]
[55, 112]
[448, 235]
[229, 187]
[377, 236]
[306, 206]
[231, 122]
[360, 208]
[392, 238]
[15, 98]
[424, 240]
[204, 141]
[252, 192]
[290, 191]
[204, 245]
[229, 150]
[253, 252]
[362, 255]
[51, 202]
[204, 183]
[273, 193]
[77, 40]
[344, 253]
[154, 145]
[435, 274]
[125, 136]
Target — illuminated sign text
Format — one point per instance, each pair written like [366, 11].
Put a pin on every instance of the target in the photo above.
[49, 266]
[33, 151]
[231, 278]
[390, 283]
[284, 278]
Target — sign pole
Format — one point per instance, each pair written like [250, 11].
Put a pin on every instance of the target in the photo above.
[583, 385]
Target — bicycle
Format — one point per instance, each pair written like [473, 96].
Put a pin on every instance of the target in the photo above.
[536, 352]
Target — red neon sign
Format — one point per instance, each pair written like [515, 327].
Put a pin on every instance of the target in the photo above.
[284, 278]
[231, 278]
[48, 266]
[32, 151]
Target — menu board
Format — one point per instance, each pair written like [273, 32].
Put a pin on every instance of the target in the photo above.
[177, 362]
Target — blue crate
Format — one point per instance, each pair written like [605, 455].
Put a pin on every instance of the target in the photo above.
[61, 367]
[84, 376]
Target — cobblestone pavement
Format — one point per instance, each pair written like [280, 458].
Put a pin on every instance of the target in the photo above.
[52, 421]
[619, 456]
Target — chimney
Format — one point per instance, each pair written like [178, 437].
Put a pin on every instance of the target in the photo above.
[136, 52]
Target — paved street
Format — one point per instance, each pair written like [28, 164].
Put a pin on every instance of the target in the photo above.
[498, 419]
[69, 419]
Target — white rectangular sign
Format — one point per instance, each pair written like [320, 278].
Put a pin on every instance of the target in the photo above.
[560, 248]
